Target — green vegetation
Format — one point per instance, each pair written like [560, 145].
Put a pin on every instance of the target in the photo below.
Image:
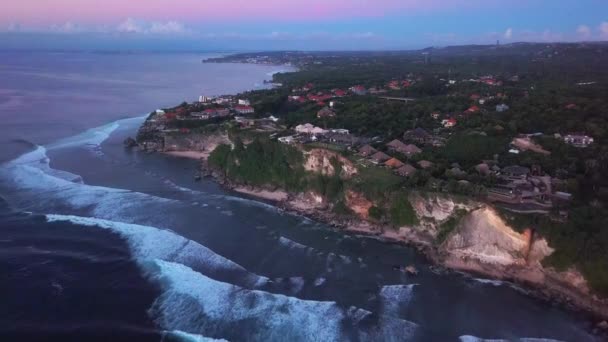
[376, 213]
[261, 163]
[470, 149]
[376, 183]
[582, 241]
[402, 213]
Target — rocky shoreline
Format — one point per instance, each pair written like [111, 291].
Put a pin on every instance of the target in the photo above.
[541, 283]
[548, 287]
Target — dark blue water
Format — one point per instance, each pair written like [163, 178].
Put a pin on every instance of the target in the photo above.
[100, 243]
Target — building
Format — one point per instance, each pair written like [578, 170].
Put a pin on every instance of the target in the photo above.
[244, 122]
[473, 109]
[397, 146]
[502, 108]
[449, 123]
[406, 170]
[339, 92]
[379, 157]
[394, 163]
[435, 115]
[326, 112]
[358, 90]
[571, 106]
[419, 136]
[243, 102]
[243, 110]
[483, 169]
[287, 140]
[578, 140]
[204, 115]
[394, 85]
[222, 112]
[309, 129]
[341, 139]
[411, 150]
[367, 151]
[515, 172]
[425, 164]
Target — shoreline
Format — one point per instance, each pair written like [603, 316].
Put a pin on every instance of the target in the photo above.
[546, 286]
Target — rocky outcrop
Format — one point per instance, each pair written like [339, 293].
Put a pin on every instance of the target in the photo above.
[322, 161]
[482, 235]
[130, 142]
[358, 204]
[438, 207]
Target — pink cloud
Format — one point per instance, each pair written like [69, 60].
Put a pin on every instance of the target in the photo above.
[36, 12]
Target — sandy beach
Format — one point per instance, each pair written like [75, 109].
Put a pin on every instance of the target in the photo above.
[189, 154]
[277, 196]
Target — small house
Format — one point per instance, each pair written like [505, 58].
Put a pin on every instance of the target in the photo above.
[502, 108]
[326, 112]
[379, 157]
[578, 140]
[358, 90]
[406, 170]
[411, 150]
[367, 151]
[425, 164]
[394, 163]
[397, 146]
[515, 172]
[244, 110]
[449, 123]
[417, 135]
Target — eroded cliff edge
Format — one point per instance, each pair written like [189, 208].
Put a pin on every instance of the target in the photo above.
[456, 232]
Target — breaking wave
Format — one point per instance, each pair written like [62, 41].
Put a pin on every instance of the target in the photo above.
[395, 298]
[469, 338]
[150, 243]
[180, 336]
[197, 304]
[44, 189]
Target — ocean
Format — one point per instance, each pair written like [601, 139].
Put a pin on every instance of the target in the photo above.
[101, 243]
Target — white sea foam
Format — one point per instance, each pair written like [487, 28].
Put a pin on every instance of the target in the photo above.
[32, 176]
[150, 243]
[292, 244]
[489, 281]
[394, 298]
[195, 303]
[469, 338]
[92, 137]
[187, 337]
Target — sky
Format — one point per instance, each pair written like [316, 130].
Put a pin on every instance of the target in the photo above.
[294, 24]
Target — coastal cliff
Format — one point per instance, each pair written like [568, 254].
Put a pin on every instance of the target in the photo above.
[456, 232]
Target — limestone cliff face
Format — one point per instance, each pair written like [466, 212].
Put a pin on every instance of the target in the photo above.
[320, 161]
[484, 236]
[433, 209]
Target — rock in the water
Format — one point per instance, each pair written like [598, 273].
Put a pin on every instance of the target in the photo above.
[411, 269]
[130, 142]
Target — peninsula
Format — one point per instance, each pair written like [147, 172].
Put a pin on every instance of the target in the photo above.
[489, 159]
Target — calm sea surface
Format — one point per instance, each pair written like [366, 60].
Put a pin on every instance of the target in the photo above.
[98, 243]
